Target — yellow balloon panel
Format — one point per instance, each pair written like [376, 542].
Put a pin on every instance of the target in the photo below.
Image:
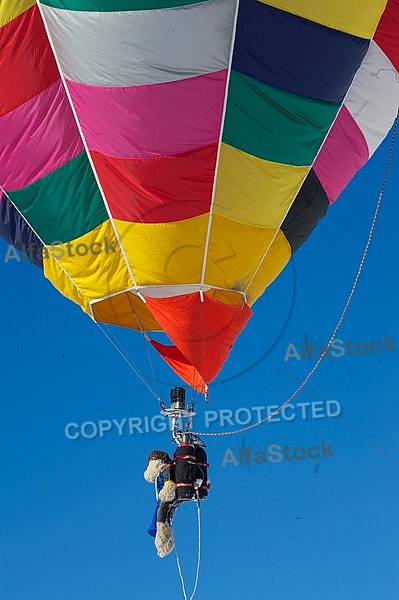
[93, 261]
[10, 9]
[358, 17]
[127, 310]
[173, 253]
[255, 191]
[274, 262]
[241, 255]
[165, 253]
[64, 284]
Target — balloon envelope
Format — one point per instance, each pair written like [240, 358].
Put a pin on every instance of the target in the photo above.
[161, 160]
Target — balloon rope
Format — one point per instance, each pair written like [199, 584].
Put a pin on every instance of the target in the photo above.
[343, 313]
[147, 349]
[119, 348]
[121, 351]
[183, 587]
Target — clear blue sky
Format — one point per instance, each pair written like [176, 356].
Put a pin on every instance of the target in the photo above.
[288, 530]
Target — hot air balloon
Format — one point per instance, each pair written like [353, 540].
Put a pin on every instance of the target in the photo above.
[161, 160]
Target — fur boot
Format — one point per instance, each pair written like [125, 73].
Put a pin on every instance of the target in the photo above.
[164, 539]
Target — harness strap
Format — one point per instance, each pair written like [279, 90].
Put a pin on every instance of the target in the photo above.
[188, 456]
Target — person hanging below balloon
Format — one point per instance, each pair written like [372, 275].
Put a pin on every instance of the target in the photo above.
[160, 470]
[181, 479]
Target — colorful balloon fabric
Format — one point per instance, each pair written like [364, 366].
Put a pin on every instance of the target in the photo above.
[161, 160]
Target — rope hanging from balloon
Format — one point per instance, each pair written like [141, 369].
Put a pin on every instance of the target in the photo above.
[126, 357]
[183, 585]
[342, 315]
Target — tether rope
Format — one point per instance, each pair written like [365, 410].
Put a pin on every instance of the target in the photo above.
[183, 586]
[119, 348]
[147, 349]
[343, 313]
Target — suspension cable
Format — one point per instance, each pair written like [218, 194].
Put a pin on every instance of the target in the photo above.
[183, 586]
[147, 348]
[119, 348]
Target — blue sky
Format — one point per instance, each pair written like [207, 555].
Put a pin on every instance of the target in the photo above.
[74, 513]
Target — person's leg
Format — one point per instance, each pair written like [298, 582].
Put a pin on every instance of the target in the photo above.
[162, 513]
[164, 540]
[173, 506]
